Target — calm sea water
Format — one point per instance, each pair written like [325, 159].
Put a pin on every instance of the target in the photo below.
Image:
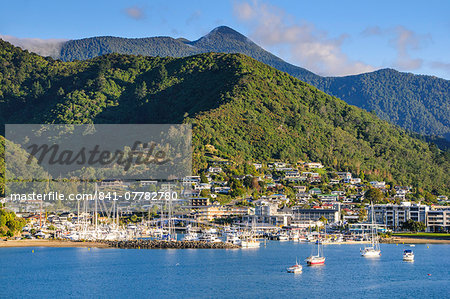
[106, 273]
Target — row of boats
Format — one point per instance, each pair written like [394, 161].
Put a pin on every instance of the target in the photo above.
[242, 239]
[371, 251]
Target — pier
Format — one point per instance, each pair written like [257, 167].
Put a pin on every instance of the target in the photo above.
[158, 244]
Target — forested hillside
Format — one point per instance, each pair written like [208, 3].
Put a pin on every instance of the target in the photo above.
[243, 108]
[416, 103]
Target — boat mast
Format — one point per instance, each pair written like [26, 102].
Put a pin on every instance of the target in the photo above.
[372, 228]
[95, 208]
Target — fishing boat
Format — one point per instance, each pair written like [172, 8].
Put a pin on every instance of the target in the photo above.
[408, 255]
[374, 249]
[317, 259]
[297, 268]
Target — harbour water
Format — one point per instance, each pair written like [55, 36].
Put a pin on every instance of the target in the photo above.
[198, 273]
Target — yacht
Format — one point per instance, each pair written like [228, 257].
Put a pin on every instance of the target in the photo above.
[374, 249]
[210, 238]
[408, 255]
[297, 268]
[233, 239]
[191, 236]
[317, 259]
[250, 243]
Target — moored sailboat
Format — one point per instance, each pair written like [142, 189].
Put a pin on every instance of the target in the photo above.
[318, 259]
[297, 268]
[373, 250]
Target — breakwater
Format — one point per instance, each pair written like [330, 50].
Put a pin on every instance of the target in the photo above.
[158, 244]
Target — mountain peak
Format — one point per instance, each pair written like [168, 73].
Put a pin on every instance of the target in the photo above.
[225, 32]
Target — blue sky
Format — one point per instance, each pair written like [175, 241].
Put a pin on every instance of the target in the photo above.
[328, 37]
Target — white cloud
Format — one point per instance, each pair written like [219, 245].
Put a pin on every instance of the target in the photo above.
[372, 31]
[440, 65]
[195, 16]
[135, 12]
[404, 41]
[44, 47]
[307, 46]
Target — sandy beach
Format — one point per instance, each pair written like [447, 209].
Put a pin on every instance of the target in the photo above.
[399, 240]
[50, 243]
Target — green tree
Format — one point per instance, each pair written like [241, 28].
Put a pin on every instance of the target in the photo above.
[203, 178]
[141, 91]
[374, 195]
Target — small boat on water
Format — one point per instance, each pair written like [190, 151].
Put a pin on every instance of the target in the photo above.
[297, 268]
[315, 260]
[318, 259]
[373, 250]
[408, 255]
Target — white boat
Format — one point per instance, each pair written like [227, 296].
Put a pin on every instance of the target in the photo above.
[408, 255]
[283, 237]
[191, 236]
[250, 244]
[295, 269]
[233, 239]
[317, 259]
[210, 238]
[374, 249]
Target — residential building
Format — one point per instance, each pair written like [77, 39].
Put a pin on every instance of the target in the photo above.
[328, 197]
[212, 169]
[300, 188]
[377, 184]
[332, 215]
[315, 191]
[393, 215]
[313, 165]
[199, 201]
[438, 220]
[344, 175]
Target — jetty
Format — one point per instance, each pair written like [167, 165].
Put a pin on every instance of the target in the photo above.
[159, 244]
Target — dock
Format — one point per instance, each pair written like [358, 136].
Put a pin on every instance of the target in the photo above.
[158, 244]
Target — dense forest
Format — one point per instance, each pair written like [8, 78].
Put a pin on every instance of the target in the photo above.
[241, 108]
[417, 103]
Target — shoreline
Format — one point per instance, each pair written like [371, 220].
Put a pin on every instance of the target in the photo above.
[408, 240]
[93, 244]
[51, 243]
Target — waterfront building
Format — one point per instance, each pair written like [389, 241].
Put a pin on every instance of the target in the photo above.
[299, 214]
[393, 215]
[438, 220]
